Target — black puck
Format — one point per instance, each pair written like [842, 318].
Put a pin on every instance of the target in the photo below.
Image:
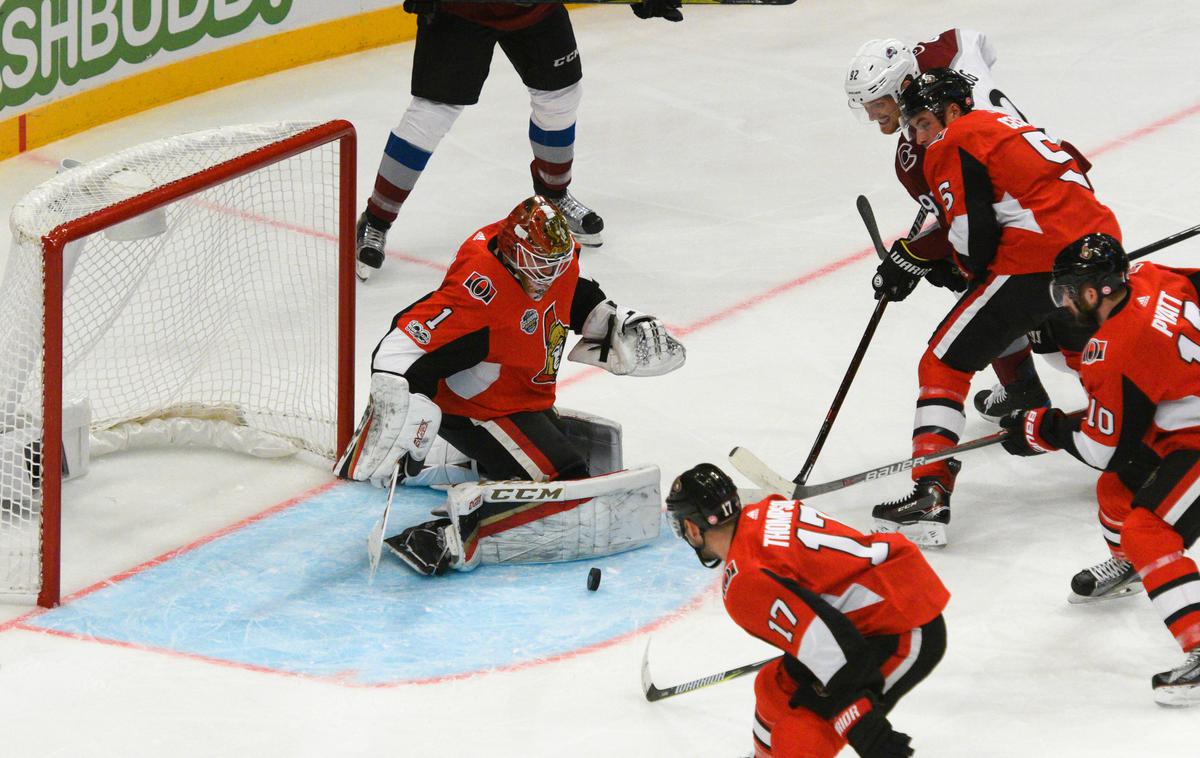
[593, 579]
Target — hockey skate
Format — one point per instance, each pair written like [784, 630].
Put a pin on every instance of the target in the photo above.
[584, 222]
[1113, 578]
[999, 401]
[369, 243]
[922, 516]
[431, 548]
[1179, 687]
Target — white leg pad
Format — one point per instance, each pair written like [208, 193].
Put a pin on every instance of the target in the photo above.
[584, 518]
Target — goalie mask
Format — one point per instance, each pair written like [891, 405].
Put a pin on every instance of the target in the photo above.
[707, 497]
[536, 244]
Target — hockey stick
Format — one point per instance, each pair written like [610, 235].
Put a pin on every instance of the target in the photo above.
[764, 476]
[868, 217]
[375, 538]
[1154, 247]
[654, 693]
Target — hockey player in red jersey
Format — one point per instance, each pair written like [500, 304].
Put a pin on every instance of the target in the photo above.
[1142, 377]
[858, 617]
[876, 76]
[476, 362]
[1011, 198]
[451, 60]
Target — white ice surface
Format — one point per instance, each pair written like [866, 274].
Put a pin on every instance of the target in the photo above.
[725, 163]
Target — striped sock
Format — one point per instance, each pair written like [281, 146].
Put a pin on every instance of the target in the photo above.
[399, 170]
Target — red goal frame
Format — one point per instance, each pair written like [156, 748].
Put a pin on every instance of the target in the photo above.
[53, 244]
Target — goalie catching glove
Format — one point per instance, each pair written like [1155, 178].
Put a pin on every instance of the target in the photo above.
[395, 424]
[624, 341]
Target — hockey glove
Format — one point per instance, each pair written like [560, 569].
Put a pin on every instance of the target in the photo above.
[869, 732]
[898, 273]
[668, 9]
[1027, 431]
[943, 273]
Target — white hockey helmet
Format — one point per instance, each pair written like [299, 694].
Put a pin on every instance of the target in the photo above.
[878, 70]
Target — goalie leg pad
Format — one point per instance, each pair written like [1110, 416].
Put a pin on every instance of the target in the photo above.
[597, 439]
[396, 423]
[549, 522]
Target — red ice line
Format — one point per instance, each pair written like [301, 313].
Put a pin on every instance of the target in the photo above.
[742, 305]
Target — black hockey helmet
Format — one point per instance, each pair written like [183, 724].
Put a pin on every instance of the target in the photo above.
[933, 90]
[707, 497]
[1097, 260]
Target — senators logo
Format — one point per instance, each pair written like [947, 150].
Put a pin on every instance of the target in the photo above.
[555, 333]
[1094, 352]
[480, 287]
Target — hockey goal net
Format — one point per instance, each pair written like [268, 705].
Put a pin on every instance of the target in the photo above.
[195, 289]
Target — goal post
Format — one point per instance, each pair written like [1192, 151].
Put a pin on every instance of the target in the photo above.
[199, 282]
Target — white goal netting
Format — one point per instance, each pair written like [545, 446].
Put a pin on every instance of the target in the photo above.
[206, 296]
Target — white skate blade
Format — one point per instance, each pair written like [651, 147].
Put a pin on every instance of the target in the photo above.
[1178, 696]
[1133, 588]
[588, 240]
[362, 271]
[923, 534]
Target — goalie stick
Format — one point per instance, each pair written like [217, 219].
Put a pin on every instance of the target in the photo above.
[375, 538]
[654, 693]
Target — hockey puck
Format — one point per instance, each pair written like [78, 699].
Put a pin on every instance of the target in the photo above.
[593, 579]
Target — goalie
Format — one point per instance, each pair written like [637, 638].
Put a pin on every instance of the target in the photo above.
[476, 362]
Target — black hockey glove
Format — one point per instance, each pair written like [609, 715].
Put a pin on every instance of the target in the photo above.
[869, 732]
[668, 9]
[943, 273]
[420, 7]
[1027, 431]
[898, 273]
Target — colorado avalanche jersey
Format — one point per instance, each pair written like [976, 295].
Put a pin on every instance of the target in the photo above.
[1141, 370]
[783, 549]
[480, 345]
[1011, 197]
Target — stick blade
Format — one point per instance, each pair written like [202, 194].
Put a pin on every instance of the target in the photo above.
[754, 469]
[375, 547]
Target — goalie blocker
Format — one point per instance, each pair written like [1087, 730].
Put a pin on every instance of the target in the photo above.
[536, 522]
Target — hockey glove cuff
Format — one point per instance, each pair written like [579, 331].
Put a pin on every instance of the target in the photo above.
[898, 273]
[1030, 432]
[668, 9]
[863, 725]
[944, 273]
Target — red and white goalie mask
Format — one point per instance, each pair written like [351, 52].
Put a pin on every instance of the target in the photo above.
[536, 244]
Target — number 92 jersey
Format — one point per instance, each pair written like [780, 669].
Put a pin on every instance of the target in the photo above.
[783, 549]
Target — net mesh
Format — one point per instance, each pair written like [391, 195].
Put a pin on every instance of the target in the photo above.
[222, 304]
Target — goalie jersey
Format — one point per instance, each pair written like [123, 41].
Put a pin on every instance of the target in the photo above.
[479, 345]
[793, 576]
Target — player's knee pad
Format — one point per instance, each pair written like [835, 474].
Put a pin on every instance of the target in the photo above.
[597, 439]
[426, 122]
[1146, 538]
[937, 379]
[554, 110]
[549, 522]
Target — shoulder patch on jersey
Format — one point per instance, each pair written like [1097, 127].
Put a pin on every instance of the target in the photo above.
[418, 332]
[907, 156]
[480, 287]
[1094, 352]
[529, 321]
[731, 571]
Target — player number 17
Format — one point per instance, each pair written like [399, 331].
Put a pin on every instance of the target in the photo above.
[875, 552]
